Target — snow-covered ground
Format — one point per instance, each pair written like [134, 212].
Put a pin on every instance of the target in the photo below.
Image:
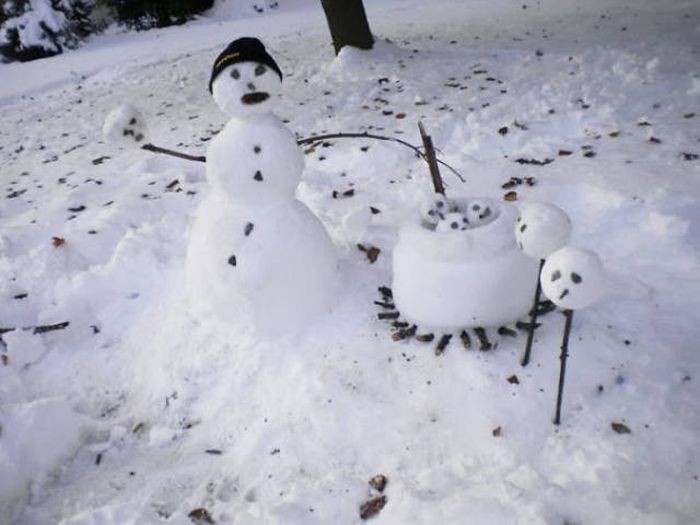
[138, 412]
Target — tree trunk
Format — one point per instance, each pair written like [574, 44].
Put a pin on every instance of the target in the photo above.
[348, 24]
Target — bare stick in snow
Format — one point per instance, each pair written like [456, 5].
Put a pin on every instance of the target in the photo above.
[569, 314]
[432, 160]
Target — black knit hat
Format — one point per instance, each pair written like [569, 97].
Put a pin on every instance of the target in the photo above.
[246, 49]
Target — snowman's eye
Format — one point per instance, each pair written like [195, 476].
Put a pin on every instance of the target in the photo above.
[476, 207]
[576, 278]
[519, 219]
[235, 74]
[523, 228]
[260, 70]
[556, 276]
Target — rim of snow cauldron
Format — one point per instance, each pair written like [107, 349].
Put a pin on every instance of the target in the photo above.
[481, 241]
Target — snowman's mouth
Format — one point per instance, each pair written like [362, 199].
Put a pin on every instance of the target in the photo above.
[254, 98]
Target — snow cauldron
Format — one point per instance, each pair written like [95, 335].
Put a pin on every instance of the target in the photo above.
[467, 275]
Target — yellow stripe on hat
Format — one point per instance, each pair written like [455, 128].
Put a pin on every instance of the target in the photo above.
[225, 59]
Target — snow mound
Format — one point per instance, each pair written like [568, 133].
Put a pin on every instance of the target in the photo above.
[36, 438]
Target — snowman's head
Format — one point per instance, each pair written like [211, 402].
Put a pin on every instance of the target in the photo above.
[478, 213]
[573, 278]
[245, 79]
[541, 229]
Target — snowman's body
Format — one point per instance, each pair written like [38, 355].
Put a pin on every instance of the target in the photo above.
[257, 256]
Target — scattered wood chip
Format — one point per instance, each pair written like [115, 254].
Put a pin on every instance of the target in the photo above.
[614, 134]
[385, 291]
[213, 451]
[654, 140]
[4, 359]
[507, 332]
[496, 432]
[200, 516]
[503, 130]
[405, 333]
[442, 344]
[42, 329]
[513, 380]
[534, 162]
[511, 196]
[621, 428]
[385, 304]
[374, 210]
[378, 482]
[466, 340]
[343, 194]
[58, 241]
[565, 152]
[484, 343]
[372, 252]
[690, 156]
[372, 507]
[383, 316]
[425, 338]
[401, 115]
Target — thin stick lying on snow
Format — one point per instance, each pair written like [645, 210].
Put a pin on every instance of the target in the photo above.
[172, 153]
[39, 329]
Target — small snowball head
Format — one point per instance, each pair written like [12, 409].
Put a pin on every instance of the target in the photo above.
[573, 278]
[478, 212]
[541, 229]
[453, 222]
[434, 209]
[125, 125]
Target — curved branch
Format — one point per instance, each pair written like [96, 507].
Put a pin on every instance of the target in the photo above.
[365, 135]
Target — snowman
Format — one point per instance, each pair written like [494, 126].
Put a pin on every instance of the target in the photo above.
[257, 256]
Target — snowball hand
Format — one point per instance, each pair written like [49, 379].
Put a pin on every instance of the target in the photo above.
[541, 229]
[125, 125]
[573, 278]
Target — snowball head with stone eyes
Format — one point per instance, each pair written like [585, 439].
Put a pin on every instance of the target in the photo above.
[541, 229]
[478, 212]
[245, 89]
[452, 222]
[573, 278]
[125, 125]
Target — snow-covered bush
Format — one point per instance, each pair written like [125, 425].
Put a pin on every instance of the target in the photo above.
[33, 29]
[145, 14]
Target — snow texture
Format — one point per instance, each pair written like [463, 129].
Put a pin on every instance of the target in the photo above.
[36, 438]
